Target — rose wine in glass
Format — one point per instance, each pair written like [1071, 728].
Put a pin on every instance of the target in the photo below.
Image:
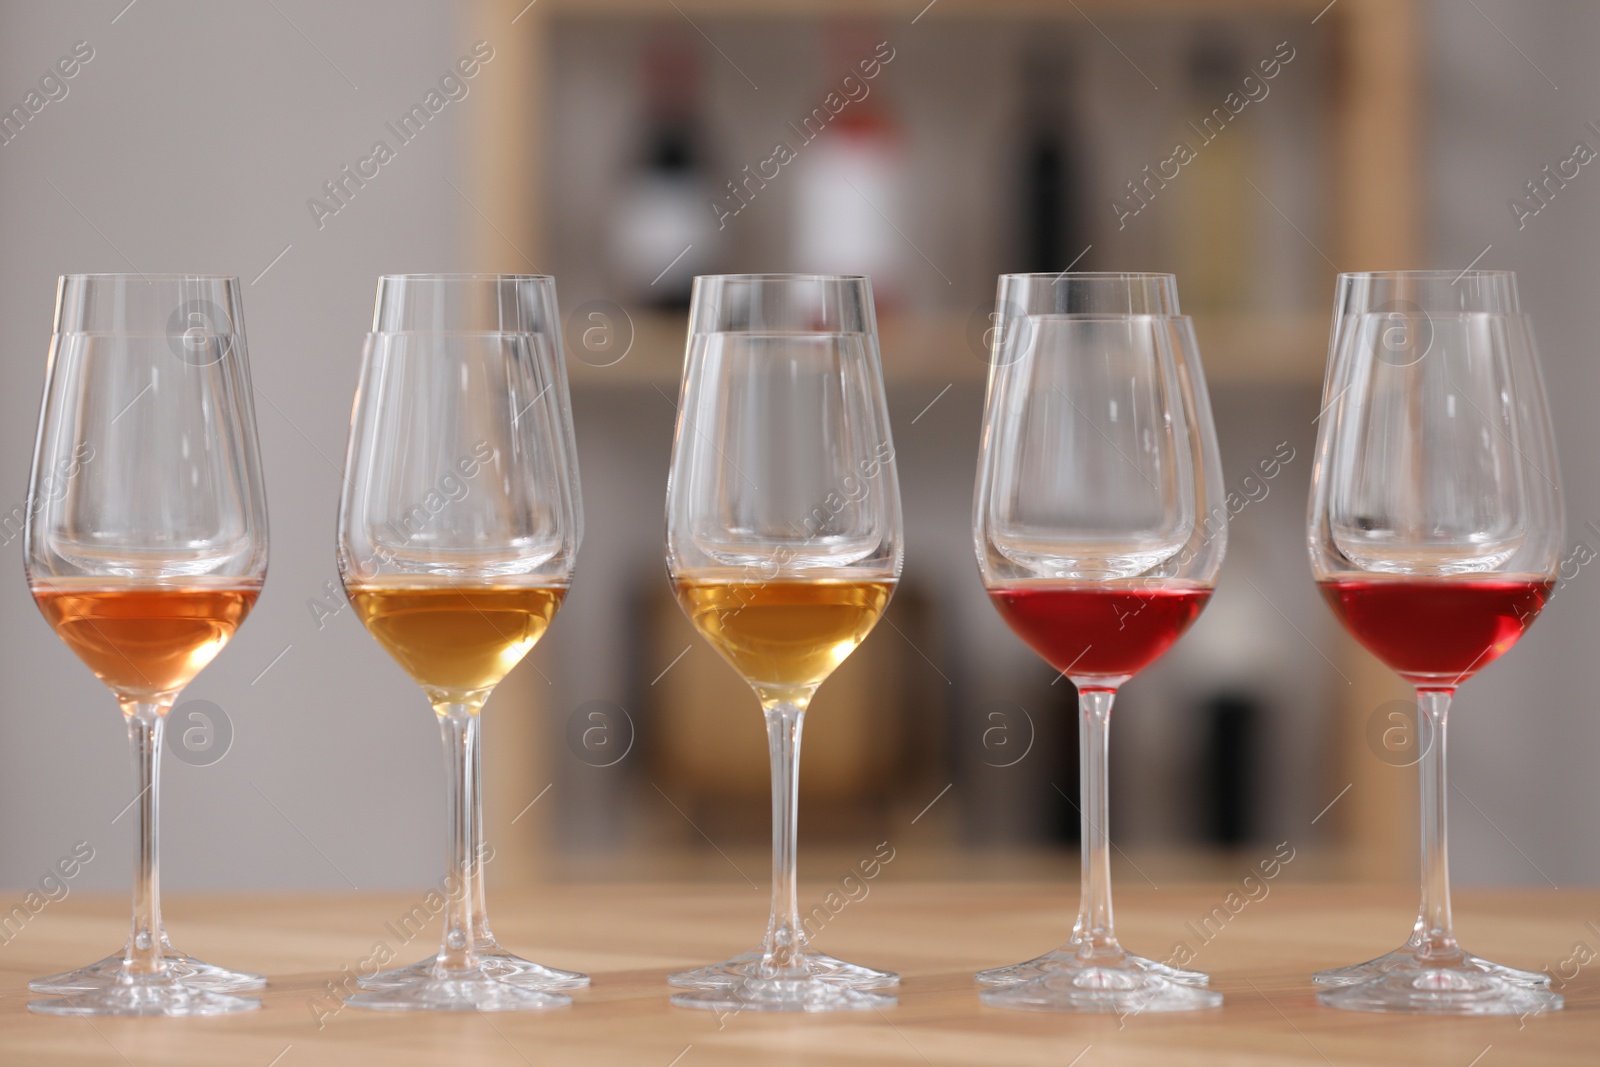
[1100, 629]
[146, 640]
[1440, 629]
[145, 549]
[1100, 527]
[458, 534]
[1435, 534]
[783, 543]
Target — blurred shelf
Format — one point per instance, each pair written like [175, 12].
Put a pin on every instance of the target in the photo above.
[1246, 349]
[914, 10]
[670, 857]
[1263, 350]
[1374, 207]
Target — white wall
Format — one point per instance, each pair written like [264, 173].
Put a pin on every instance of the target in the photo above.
[1526, 733]
[191, 142]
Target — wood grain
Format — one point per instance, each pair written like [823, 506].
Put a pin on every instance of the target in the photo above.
[629, 937]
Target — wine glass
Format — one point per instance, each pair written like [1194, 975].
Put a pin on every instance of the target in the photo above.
[783, 544]
[1435, 536]
[458, 533]
[146, 547]
[1100, 526]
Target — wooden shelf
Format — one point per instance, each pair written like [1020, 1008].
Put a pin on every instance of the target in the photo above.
[1373, 218]
[903, 11]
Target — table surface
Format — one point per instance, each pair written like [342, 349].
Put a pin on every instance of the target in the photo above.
[629, 936]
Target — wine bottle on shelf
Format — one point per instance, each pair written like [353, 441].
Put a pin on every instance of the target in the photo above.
[1231, 721]
[1210, 228]
[662, 234]
[852, 180]
[1051, 228]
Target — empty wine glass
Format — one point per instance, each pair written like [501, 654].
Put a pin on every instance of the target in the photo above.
[1435, 534]
[783, 542]
[145, 548]
[458, 534]
[1100, 527]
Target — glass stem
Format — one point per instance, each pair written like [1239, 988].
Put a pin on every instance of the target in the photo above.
[1434, 937]
[481, 935]
[145, 723]
[1092, 934]
[786, 940]
[459, 725]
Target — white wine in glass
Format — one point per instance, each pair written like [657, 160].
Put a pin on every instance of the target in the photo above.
[783, 542]
[456, 641]
[458, 534]
[784, 637]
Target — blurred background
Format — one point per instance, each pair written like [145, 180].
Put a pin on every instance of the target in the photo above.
[1254, 147]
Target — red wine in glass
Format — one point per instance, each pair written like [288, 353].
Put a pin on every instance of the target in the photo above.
[1100, 527]
[1100, 629]
[1435, 535]
[1436, 632]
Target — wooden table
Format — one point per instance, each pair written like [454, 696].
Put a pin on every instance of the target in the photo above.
[628, 937]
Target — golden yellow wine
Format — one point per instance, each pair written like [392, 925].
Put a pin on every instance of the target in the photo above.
[784, 636]
[456, 639]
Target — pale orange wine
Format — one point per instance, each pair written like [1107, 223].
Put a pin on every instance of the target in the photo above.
[146, 640]
[784, 636]
[456, 639]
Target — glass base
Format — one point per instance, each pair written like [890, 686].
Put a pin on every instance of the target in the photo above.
[437, 989]
[1462, 984]
[109, 972]
[1404, 958]
[158, 994]
[1128, 985]
[495, 963]
[1441, 991]
[1066, 958]
[800, 993]
[819, 965]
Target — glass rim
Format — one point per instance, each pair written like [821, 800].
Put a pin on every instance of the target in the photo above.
[1106, 316]
[1093, 275]
[469, 276]
[1426, 274]
[796, 277]
[150, 277]
[456, 333]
